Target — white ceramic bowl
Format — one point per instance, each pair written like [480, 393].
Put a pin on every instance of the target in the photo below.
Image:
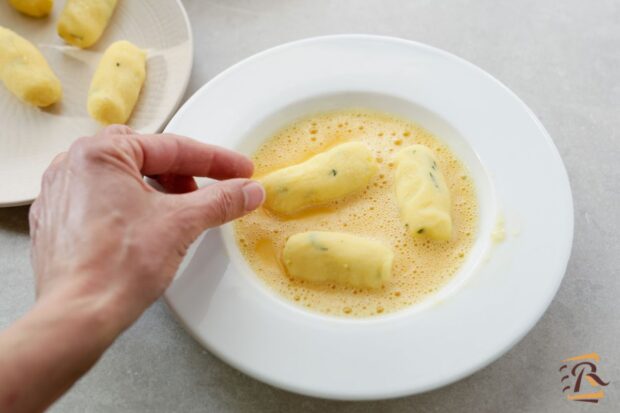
[494, 300]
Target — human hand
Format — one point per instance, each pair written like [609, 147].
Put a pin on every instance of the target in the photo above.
[101, 234]
[105, 245]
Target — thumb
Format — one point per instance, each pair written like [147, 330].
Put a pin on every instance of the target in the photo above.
[216, 204]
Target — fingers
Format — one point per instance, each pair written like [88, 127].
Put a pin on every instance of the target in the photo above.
[178, 155]
[216, 204]
[170, 159]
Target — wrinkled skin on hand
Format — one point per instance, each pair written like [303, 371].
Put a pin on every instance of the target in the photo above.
[99, 231]
[105, 245]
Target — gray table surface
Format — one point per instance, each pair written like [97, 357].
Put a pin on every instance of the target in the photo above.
[562, 57]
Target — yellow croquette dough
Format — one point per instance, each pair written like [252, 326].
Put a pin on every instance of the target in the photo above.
[421, 265]
[82, 22]
[116, 83]
[25, 72]
[422, 194]
[323, 256]
[331, 175]
[33, 8]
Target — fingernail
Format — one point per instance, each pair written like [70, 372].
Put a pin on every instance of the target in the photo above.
[254, 195]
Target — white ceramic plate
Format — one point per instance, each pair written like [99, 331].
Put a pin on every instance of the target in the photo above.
[496, 298]
[31, 137]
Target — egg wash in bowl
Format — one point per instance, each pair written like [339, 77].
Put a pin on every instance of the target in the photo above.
[421, 265]
[258, 327]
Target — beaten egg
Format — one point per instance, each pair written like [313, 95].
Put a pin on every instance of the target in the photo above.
[421, 265]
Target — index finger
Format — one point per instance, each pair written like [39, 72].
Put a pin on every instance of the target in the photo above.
[179, 155]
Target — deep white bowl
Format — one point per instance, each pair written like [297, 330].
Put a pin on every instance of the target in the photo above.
[495, 299]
